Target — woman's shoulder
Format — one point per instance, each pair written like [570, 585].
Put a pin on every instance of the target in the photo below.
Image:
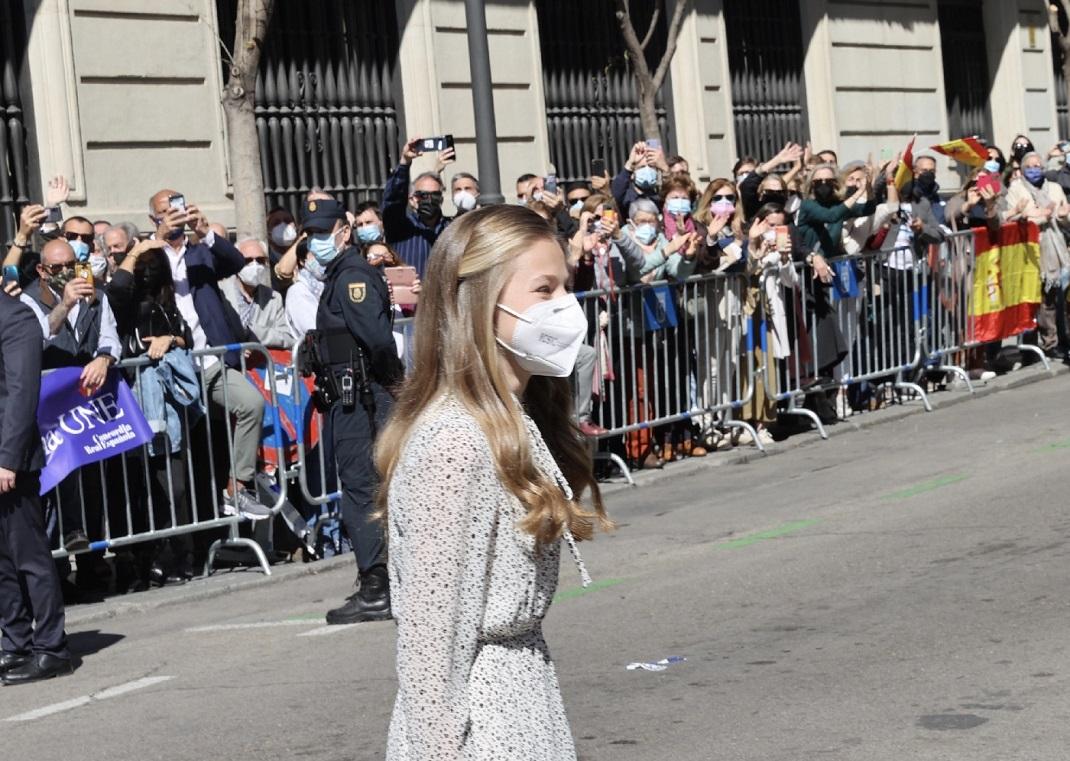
[446, 422]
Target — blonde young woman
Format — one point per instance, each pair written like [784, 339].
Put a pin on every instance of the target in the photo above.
[482, 472]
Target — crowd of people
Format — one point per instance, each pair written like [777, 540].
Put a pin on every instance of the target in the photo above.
[103, 293]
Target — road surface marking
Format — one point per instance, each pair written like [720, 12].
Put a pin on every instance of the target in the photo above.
[1064, 444]
[569, 594]
[256, 625]
[105, 694]
[931, 485]
[761, 536]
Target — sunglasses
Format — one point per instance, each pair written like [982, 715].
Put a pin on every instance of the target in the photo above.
[55, 269]
[730, 198]
[258, 260]
[825, 182]
[84, 237]
[423, 195]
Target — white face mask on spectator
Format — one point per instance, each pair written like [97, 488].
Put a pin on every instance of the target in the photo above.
[464, 201]
[99, 265]
[283, 234]
[251, 272]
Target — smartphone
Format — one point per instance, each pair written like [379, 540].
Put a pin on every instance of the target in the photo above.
[436, 143]
[989, 181]
[177, 202]
[598, 168]
[549, 183]
[1064, 146]
[84, 271]
[610, 216]
[401, 280]
[653, 144]
[783, 237]
[54, 215]
[11, 275]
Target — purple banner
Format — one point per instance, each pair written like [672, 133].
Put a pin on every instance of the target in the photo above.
[77, 430]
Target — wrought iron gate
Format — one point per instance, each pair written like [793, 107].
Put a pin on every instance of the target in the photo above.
[591, 100]
[966, 88]
[14, 158]
[1061, 110]
[765, 62]
[326, 112]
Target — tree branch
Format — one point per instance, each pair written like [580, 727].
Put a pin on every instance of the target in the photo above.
[678, 13]
[635, 48]
[653, 25]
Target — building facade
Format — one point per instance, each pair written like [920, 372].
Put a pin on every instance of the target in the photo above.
[123, 96]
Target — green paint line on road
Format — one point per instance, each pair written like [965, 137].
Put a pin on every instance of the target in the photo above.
[1064, 444]
[773, 533]
[569, 594]
[936, 483]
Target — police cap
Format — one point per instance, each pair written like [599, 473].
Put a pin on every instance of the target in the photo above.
[319, 215]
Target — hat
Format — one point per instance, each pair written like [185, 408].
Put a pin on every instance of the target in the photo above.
[319, 215]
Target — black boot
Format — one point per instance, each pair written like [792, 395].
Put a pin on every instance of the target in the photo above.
[370, 603]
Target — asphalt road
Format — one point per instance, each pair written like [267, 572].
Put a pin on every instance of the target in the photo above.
[896, 593]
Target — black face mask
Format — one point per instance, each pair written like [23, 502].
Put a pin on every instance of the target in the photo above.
[429, 210]
[774, 196]
[925, 183]
[824, 194]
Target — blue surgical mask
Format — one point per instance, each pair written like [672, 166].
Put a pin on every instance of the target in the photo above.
[1034, 174]
[677, 206]
[81, 249]
[646, 177]
[991, 166]
[645, 234]
[369, 233]
[315, 269]
[323, 247]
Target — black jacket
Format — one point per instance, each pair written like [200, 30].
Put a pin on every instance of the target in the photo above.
[20, 386]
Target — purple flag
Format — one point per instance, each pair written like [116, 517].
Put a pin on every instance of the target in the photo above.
[77, 430]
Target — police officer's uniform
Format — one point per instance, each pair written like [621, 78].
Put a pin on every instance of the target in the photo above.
[34, 645]
[355, 334]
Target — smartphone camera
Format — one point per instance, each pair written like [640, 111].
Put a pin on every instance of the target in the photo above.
[429, 144]
[177, 202]
[53, 216]
[549, 183]
[11, 275]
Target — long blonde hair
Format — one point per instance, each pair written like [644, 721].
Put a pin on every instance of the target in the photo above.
[456, 353]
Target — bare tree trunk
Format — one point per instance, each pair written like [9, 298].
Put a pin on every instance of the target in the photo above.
[648, 82]
[251, 24]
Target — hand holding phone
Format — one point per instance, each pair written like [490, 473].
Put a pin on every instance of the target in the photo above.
[10, 275]
[402, 280]
[429, 144]
[598, 168]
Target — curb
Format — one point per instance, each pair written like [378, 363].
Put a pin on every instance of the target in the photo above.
[939, 400]
[217, 585]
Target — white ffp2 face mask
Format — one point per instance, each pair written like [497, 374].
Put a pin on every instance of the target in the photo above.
[250, 273]
[548, 336]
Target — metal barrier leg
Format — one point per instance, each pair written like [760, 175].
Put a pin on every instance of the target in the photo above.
[1038, 351]
[955, 369]
[751, 430]
[616, 460]
[902, 385]
[793, 410]
[235, 542]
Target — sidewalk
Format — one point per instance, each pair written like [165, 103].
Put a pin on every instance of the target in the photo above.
[227, 581]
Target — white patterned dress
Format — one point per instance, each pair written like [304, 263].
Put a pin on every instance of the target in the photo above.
[469, 592]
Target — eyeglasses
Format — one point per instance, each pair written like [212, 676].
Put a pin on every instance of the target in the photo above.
[55, 269]
[84, 237]
[730, 198]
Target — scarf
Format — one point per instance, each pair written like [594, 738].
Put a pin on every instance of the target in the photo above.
[1054, 256]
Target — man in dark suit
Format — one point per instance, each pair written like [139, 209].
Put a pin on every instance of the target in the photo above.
[34, 644]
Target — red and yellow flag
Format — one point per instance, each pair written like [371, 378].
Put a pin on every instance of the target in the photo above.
[1006, 281]
[966, 150]
[904, 173]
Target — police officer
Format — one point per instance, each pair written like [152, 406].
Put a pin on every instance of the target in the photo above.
[359, 363]
[34, 645]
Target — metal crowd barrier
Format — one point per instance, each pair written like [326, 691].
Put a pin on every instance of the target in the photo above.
[668, 353]
[138, 497]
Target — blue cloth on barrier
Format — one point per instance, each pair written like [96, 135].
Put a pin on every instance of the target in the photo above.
[845, 280]
[164, 390]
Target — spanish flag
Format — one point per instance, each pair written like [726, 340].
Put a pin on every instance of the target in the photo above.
[966, 150]
[1006, 281]
[904, 173]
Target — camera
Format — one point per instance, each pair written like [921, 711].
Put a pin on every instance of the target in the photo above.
[54, 215]
[436, 143]
[177, 202]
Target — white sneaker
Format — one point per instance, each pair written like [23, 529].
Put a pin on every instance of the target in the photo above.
[242, 503]
[987, 375]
